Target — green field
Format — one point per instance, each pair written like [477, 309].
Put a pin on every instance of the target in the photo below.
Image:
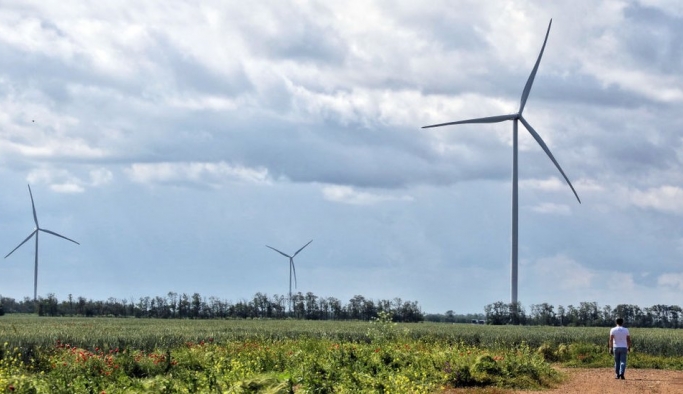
[148, 355]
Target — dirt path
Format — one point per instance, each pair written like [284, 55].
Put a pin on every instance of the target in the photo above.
[601, 381]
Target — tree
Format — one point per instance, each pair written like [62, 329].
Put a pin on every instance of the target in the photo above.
[368, 310]
[572, 316]
[355, 307]
[336, 308]
[184, 306]
[589, 315]
[497, 313]
[543, 314]
[312, 308]
[450, 316]
[196, 308]
[517, 313]
[172, 303]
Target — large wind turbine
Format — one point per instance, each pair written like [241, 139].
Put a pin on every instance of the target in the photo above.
[514, 118]
[291, 269]
[35, 232]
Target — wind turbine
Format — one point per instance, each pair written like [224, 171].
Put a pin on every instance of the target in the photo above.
[291, 269]
[35, 232]
[514, 118]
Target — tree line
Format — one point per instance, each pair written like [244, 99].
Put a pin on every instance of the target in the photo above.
[311, 307]
[451, 317]
[585, 314]
[184, 306]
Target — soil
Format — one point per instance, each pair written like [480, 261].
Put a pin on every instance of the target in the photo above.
[601, 381]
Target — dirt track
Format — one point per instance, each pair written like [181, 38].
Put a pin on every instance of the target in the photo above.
[601, 381]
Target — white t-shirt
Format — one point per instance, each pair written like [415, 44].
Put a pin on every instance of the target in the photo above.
[620, 335]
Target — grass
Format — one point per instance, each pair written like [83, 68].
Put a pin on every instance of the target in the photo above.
[107, 354]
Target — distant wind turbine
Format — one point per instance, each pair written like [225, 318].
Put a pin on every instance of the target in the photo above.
[291, 269]
[35, 232]
[514, 118]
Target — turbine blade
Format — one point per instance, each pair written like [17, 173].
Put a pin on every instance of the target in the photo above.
[291, 261]
[23, 242]
[284, 254]
[59, 235]
[547, 151]
[489, 119]
[35, 216]
[530, 81]
[302, 248]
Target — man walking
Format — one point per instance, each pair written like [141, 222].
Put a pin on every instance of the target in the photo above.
[619, 345]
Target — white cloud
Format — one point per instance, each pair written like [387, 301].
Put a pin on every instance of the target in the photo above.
[664, 198]
[59, 180]
[672, 280]
[57, 148]
[195, 172]
[551, 184]
[562, 272]
[655, 87]
[67, 188]
[560, 279]
[554, 184]
[674, 7]
[588, 185]
[349, 195]
[205, 102]
[551, 208]
[64, 181]
[100, 176]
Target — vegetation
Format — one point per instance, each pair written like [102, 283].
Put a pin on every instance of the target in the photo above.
[123, 355]
[586, 314]
[183, 306]
[311, 307]
[115, 355]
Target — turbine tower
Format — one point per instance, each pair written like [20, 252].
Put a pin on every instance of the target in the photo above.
[515, 118]
[35, 232]
[291, 269]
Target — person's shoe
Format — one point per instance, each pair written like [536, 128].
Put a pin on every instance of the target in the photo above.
[617, 377]
[622, 377]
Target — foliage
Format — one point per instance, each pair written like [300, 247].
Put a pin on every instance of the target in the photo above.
[382, 328]
[281, 356]
[586, 314]
[586, 355]
[182, 306]
[29, 332]
[261, 364]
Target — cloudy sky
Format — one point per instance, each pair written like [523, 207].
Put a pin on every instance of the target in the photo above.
[175, 140]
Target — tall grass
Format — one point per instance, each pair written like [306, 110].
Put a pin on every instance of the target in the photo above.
[26, 332]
